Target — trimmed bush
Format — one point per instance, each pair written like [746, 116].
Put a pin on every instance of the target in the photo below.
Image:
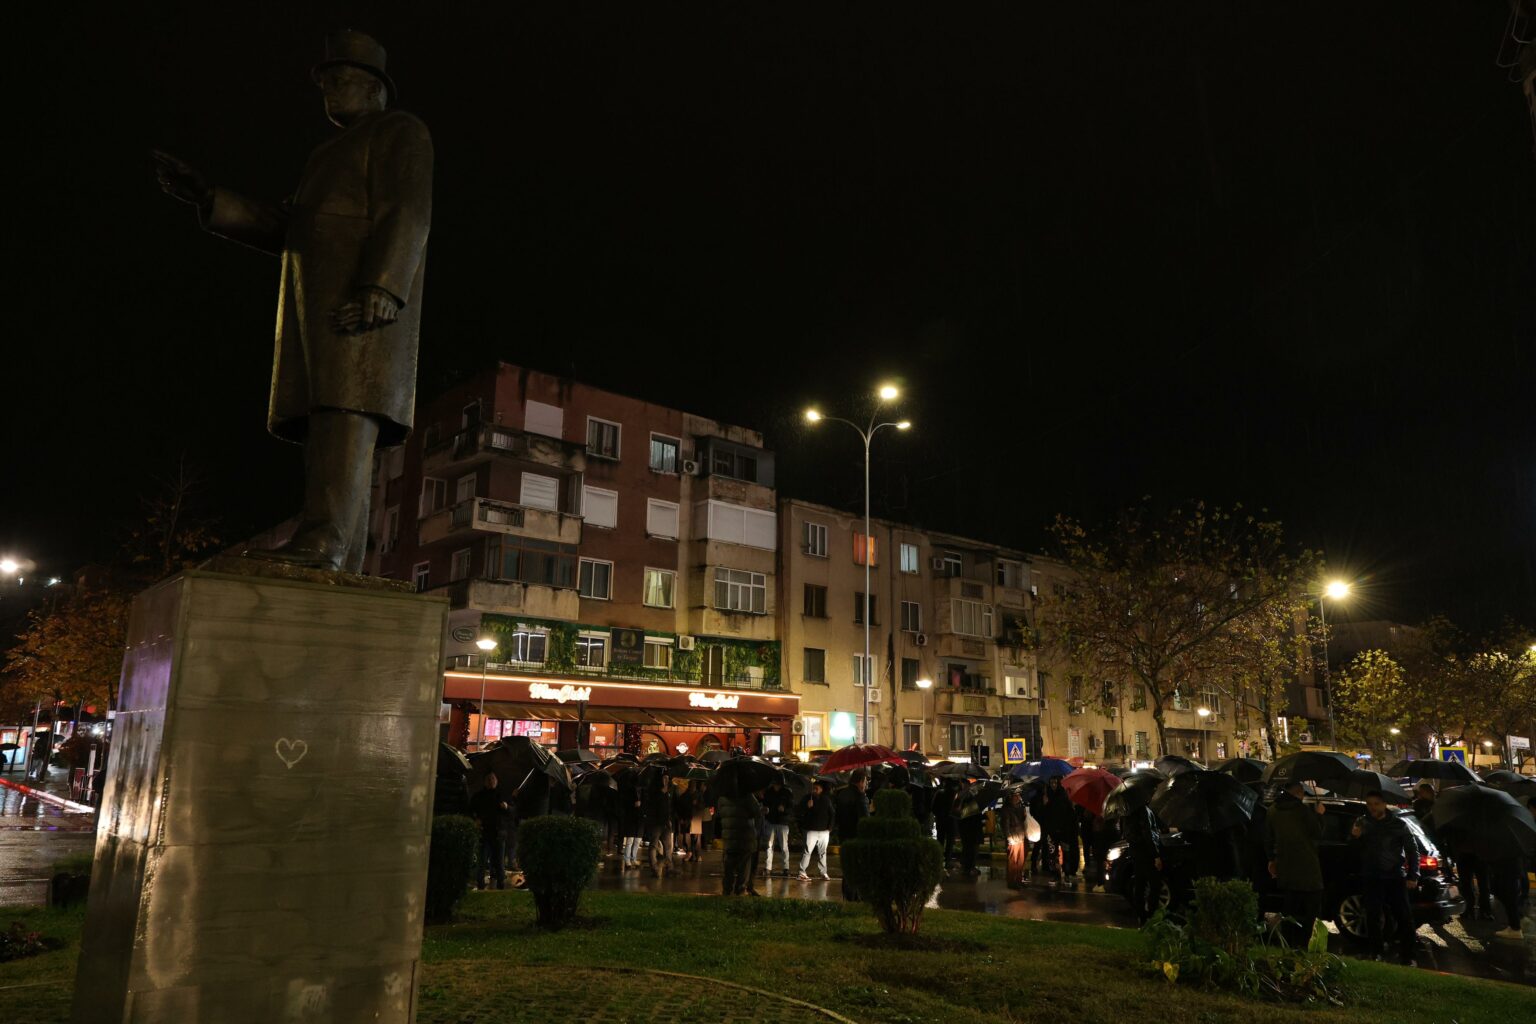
[559, 856]
[892, 865]
[451, 864]
[1225, 914]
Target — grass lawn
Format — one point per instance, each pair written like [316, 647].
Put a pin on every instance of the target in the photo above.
[968, 968]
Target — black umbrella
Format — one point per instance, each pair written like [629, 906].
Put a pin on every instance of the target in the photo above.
[451, 762]
[1423, 768]
[1202, 801]
[596, 780]
[742, 775]
[1173, 764]
[581, 756]
[976, 798]
[1485, 821]
[799, 785]
[913, 757]
[957, 770]
[1243, 769]
[1309, 766]
[1362, 781]
[515, 759]
[1133, 793]
[894, 775]
[715, 756]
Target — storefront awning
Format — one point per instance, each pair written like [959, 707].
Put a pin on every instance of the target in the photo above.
[529, 712]
[700, 719]
[620, 716]
[756, 722]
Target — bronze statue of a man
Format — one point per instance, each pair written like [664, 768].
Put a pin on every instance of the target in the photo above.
[353, 243]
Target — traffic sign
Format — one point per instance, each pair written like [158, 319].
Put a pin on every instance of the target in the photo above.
[1013, 751]
[1457, 754]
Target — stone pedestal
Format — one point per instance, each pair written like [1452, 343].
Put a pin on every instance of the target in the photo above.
[262, 849]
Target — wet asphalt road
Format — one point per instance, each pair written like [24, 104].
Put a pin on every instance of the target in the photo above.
[1453, 948]
[34, 835]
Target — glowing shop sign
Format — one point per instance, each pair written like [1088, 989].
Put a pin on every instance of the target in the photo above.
[715, 701]
[843, 726]
[543, 691]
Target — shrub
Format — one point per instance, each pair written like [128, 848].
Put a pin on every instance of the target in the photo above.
[1225, 914]
[455, 845]
[892, 865]
[71, 880]
[17, 941]
[559, 856]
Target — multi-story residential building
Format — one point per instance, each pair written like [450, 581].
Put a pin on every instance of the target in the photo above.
[621, 554]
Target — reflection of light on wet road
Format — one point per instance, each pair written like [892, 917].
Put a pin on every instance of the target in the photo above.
[34, 835]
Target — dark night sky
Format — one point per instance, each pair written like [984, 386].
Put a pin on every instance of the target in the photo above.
[1283, 255]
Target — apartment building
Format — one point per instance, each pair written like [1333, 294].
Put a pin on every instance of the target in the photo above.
[621, 555]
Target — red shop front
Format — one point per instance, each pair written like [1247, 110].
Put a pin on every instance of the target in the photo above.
[610, 717]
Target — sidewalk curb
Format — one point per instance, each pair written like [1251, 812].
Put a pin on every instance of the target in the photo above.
[46, 797]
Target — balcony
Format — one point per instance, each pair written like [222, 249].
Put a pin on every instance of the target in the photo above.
[946, 588]
[486, 515]
[534, 600]
[742, 625]
[490, 439]
[953, 645]
[967, 703]
[737, 492]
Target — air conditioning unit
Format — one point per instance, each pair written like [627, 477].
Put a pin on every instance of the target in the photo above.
[921, 639]
[685, 643]
[798, 727]
[938, 563]
[1111, 712]
[690, 467]
[1044, 703]
[874, 695]
[978, 730]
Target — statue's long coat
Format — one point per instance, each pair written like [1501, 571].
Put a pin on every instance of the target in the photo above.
[359, 217]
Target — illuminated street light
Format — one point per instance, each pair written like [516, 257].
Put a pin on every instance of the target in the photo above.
[812, 416]
[1395, 731]
[9, 566]
[1337, 590]
[888, 393]
[904, 425]
[924, 683]
[1203, 712]
[486, 645]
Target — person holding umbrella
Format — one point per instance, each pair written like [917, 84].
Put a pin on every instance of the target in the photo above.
[777, 805]
[1060, 823]
[852, 807]
[630, 819]
[1145, 838]
[1015, 821]
[656, 812]
[1291, 836]
[944, 805]
[490, 808]
[816, 816]
[1389, 870]
[738, 816]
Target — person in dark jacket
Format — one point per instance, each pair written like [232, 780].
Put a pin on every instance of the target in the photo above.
[1097, 835]
[1389, 870]
[1144, 837]
[1043, 853]
[851, 806]
[1060, 823]
[490, 808]
[944, 820]
[1292, 833]
[631, 822]
[971, 828]
[778, 805]
[1423, 801]
[737, 819]
[1015, 824]
[656, 815]
[816, 818]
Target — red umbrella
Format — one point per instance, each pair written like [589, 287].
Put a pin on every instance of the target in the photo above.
[861, 755]
[1088, 787]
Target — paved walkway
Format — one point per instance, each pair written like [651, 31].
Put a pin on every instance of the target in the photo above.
[34, 835]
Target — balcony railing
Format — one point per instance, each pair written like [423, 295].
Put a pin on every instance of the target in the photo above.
[486, 515]
[493, 439]
[618, 674]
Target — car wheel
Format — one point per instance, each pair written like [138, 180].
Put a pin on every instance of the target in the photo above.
[1350, 917]
[1164, 895]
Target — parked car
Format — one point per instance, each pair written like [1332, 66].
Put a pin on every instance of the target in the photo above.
[1435, 901]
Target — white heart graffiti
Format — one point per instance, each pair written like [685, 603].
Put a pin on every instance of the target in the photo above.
[290, 752]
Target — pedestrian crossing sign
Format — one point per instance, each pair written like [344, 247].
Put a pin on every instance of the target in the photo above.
[1013, 751]
[1457, 754]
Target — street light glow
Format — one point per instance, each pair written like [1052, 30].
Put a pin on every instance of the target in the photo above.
[888, 392]
[904, 425]
[1394, 730]
[924, 683]
[486, 644]
[9, 565]
[812, 416]
[1337, 590]
[1203, 712]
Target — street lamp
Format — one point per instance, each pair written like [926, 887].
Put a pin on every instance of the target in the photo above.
[885, 393]
[1336, 590]
[924, 683]
[486, 645]
[1204, 713]
[9, 566]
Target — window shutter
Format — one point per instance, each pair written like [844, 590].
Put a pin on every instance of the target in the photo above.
[661, 518]
[761, 530]
[600, 507]
[548, 420]
[540, 492]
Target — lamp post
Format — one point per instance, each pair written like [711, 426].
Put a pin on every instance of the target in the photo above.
[486, 646]
[1205, 736]
[885, 393]
[1336, 590]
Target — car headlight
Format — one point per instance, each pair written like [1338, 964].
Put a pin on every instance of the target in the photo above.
[1114, 853]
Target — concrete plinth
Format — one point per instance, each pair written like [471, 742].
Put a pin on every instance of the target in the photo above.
[262, 850]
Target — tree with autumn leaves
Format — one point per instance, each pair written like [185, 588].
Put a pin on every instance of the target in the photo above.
[1179, 600]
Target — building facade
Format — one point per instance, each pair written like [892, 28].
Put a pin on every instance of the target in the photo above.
[620, 554]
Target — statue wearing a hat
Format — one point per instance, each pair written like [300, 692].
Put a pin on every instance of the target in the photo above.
[353, 243]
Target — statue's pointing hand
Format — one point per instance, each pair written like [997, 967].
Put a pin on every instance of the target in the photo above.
[180, 179]
[373, 308]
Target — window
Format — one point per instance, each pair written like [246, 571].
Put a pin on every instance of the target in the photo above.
[815, 601]
[950, 565]
[391, 526]
[531, 561]
[599, 507]
[909, 671]
[528, 646]
[592, 650]
[658, 587]
[458, 566]
[959, 736]
[814, 667]
[434, 495]
[863, 669]
[862, 544]
[911, 617]
[816, 540]
[1210, 699]
[545, 420]
[1020, 686]
[714, 666]
[1143, 750]
[596, 579]
[464, 488]
[539, 491]
[602, 438]
[734, 464]
[972, 618]
[912, 735]
[664, 452]
[858, 609]
[910, 559]
[661, 518]
[421, 575]
[430, 436]
[658, 652]
[811, 731]
[1182, 702]
[470, 418]
[1010, 574]
[737, 524]
[740, 591]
